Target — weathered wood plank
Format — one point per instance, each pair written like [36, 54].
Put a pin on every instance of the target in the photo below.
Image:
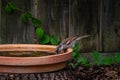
[84, 20]
[69, 17]
[14, 31]
[0, 24]
[111, 25]
[54, 15]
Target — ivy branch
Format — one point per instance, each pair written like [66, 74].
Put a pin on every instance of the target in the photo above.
[26, 16]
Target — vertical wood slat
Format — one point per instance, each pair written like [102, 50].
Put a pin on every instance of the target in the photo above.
[14, 30]
[111, 25]
[0, 23]
[34, 7]
[100, 29]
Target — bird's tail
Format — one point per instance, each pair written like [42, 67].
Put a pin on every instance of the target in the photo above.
[81, 37]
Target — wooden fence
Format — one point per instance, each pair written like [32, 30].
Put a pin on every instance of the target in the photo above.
[98, 18]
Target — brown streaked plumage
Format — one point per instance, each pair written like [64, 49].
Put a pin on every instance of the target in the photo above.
[69, 42]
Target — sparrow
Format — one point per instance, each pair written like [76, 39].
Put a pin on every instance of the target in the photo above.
[69, 42]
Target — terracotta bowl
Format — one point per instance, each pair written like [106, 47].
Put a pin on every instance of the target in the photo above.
[32, 64]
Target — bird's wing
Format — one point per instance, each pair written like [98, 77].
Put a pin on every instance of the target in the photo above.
[69, 40]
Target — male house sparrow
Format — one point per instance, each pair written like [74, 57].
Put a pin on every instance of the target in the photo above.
[69, 42]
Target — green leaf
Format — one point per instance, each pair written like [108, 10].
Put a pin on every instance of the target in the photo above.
[36, 22]
[116, 58]
[45, 39]
[76, 47]
[10, 7]
[39, 32]
[106, 60]
[74, 65]
[96, 58]
[74, 54]
[53, 40]
[24, 18]
[29, 15]
[83, 60]
[79, 60]
[96, 55]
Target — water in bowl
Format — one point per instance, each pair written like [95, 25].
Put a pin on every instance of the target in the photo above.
[26, 54]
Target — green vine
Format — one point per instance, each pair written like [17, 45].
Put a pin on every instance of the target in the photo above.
[26, 16]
